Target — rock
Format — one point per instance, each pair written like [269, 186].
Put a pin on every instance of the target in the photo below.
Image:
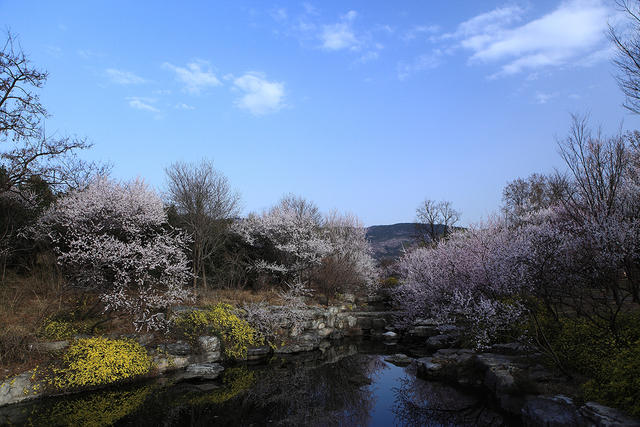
[348, 298]
[50, 346]
[512, 348]
[166, 362]
[399, 359]
[202, 371]
[428, 369]
[257, 353]
[325, 332]
[438, 342]
[209, 344]
[305, 342]
[603, 416]
[178, 348]
[499, 372]
[550, 411]
[378, 323]
[365, 322]
[390, 335]
[19, 388]
[423, 331]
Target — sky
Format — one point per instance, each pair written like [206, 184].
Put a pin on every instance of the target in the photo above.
[367, 107]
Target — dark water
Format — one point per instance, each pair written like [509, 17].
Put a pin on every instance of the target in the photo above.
[347, 385]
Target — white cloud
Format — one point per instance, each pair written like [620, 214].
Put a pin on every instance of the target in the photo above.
[144, 104]
[570, 34]
[279, 14]
[341, 34]
[260, 95]
[419, 30]
[196, 76]
[420, 63]
[183, 106]
[543, 98]
[124, 77]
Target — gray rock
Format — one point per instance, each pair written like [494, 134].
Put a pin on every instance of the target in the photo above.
[19, 388]
[428, 369]
[437, 342]
[257, 353]
[50, 346]
[348, 298]
[399, 359]
[378, 323]
[550, 411]
[202, 371]
[178, 348]
[423, 331]
[512, 348]
[603, 416]
[390, 335]
[209, 344]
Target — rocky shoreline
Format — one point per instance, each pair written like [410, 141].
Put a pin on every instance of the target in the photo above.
[514, 375]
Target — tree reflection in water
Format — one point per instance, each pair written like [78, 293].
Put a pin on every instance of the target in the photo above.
[343, 386]
[424, 403]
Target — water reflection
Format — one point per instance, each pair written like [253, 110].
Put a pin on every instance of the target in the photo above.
[348, 385]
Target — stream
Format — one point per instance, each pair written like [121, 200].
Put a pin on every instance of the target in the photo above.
[349, 384]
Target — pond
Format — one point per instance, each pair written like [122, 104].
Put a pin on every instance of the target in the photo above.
[349, 384]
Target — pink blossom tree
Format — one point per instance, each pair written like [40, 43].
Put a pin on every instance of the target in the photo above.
[114, 238]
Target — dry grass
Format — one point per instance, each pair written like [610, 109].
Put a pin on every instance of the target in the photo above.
[24, 304]
[237, 297]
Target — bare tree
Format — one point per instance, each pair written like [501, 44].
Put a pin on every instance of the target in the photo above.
[597, 165]
[29, 151]
[524, 197]
[436, 220]
[205, 203]
[627, 43]
[20, 109]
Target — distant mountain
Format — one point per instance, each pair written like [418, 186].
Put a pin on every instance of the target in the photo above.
[388, 241]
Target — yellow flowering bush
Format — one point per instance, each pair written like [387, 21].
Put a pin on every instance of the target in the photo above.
[57, 329]
[236, 333]
[98, 360]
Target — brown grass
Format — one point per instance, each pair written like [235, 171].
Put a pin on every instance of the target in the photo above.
[237, 297]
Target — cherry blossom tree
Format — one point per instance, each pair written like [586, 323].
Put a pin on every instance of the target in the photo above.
[114, 238]
[296, 243]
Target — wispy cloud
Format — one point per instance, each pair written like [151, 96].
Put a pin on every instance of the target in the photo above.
[89, 54]
[543, 98]
[423, 62]
[183, 106]
[341, 34]
[260, 95]
[567, 35]
[124, 77]
[141, 103]
[418, 31]
[196, 76]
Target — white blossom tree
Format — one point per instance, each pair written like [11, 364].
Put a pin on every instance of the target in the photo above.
[114, 238]
[297, 243]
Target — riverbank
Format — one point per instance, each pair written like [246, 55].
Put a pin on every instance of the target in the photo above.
[517, 380]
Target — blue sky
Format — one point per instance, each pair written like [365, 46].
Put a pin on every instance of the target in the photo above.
[364, 106]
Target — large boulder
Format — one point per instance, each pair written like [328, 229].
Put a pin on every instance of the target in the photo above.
[550, 411]
[202, 371]
[603, 416]
[19, 388]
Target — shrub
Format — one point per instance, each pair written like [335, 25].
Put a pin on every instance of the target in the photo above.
[57, 329]
[236, 333]
[618, 381]
[98, 361]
